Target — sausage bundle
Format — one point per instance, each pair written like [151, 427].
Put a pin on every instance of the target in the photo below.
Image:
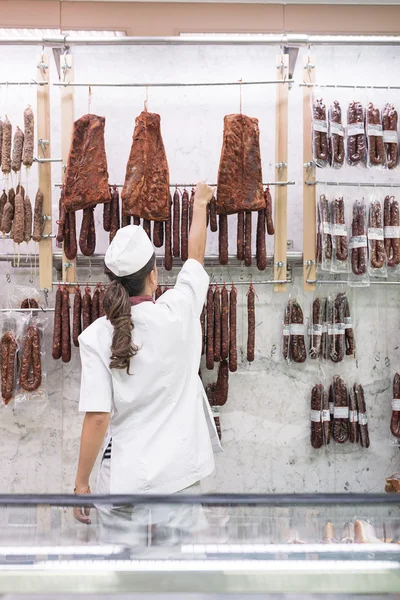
[330, 329]
[340, 240]
[395, 418]
[391, 143]
[336, 133]
[325, 236]
[320, 417]
[294, 347]
[61, 331]
[356, 144]
[359, 246]
[8, 365]
[377, 256]
[391, 222]
[376, 150]
[320, 133]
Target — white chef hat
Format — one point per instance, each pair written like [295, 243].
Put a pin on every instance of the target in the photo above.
[130, 250]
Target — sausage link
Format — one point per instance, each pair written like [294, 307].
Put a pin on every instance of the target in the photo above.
[316, 330]
[29, 137]
[268, 212]
[353, 416]
[19, 220]
[321, 150]
[213, 215]
[115, 221]
[77, 316]
[102, 312]
[168, 241]
[355, 143]
[317, 436]
[61, 218]
[251, 322]
[107, 215]
[375, 142]
[390, 123]
[362, 416]
[340, 430]
[56, 352]
[27, 219]
[6, 147]
[147, 227]
[191, 205]
[341, 242]
[87, 236]
[136, 221]
[86, 309]
[29, 303]
[125, 220]
[185, 226]
[217, 324]
[232, 330]
[95, 305]
[248, 218]
[210, 329]
[8, 359]
[337, 140]
[297, 349]
[359, 255]
[261, 244]
[203, 329]
[65, 328]
[176, 225]
[240, 236]
[224, 323]
[326, 424]
[395, 419]
[18, 145]
[222, 387]
[3, 202]
[7, 217]
[70, 244]
[158, 234]
[325, 222]
[38, 221]
[223, 240]
[377, 247]
[31, 366]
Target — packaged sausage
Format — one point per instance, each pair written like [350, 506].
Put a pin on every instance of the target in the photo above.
[325, 234]
[336, 135]
[340, 236]
[11, 326]
[391, 232]
[375, 147]
[31, 396]
[390, 136]
[294, 347]
[340, 426]
[22, 296]
[320, 417]
[356, 140]
[315, 327]
[362, 424]
[348, 329]
[395, 405]
[358, 246]
[320, 133]
[377, 264]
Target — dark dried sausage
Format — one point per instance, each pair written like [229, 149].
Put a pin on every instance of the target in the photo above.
[185, 226]
[203, 329]
[348, 329]
[359, 229]
[8, 358]
[316, 329]
[341, 242]
[213, 215]
[176, 225]
[240, 236]
[248, 219]
[107, 214]
[77, 316]
[321, 151]
[317, 436]
[261, 241]
[136, 221]
[158, 233]
[86, 309]
[224, 323]
[232, 330]
[38, 221]
[87, 236]
[56, 352]
[376, 153]
[70, 244]
[377, 247]
[115, 221]
[168, 242]
[95, 305]
[268, 212]
[251, 323]
[355, 133]
[31, 366]
[362, 416]
[391, 220]
[223, 240]
[217, 324]
[147, 227]
[191, 206]
[125, 220]
[210, 329]
[65, 327]
[61, 218]
[353, 416]
[337, 134]
[222, 387]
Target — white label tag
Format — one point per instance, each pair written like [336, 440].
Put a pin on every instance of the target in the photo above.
[375, 130]
[215, 411]
[296, 329]
[321, 126]
[337, 129]
[316, 416]
[375, 233]
[317, 329]
[395, 404]
[348, 323]
[341, 412]
[353, 416]
[359, 241]
[392, 232]
[356, 129]
[331, 407]
[336, 329]
[340, 229]
[326, 415]
[286, 330]
[326, 227]
[390, 137]
[324, 328]
[362, 418]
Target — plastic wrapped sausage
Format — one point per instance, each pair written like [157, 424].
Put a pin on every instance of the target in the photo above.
[325, 233]
[377, 256]
[294, 347]
[320, 417]
[356, 145]
[9, 349]
[316, 328]
[376, 151]
[340, 240]
[358, 245]
[320, 133]
[391, 221]
[348, 328]
[362, 416]
[340, 429]
[336, 130]
[353, 417]
[31, 365]
[395, 418]
[390, 137]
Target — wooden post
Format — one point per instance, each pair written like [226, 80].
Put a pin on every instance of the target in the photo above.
[281, 170]
[67, 122]
[309, 210]
[44, 170]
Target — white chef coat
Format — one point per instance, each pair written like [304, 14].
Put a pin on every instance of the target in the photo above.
[161, 424]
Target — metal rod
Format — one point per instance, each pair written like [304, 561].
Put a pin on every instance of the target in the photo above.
[350, 87]
[354, 184]
[214, 40]
[47, 160]
[345, 282]
[166, 85]
[46, 236]
[40, 309]
[188, 185]
[248, 282]
[32, 82]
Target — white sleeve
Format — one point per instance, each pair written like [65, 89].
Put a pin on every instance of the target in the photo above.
[96, 382]
[192, 285]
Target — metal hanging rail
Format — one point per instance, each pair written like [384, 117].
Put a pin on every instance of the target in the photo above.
[237, 283]
[40, 309]
[350, 87]
[167, 85]
[354, 184]
[345, 282]
[32, 82]
[188, 185]
[215, 40]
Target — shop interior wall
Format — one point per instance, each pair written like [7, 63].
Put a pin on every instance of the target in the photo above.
[265, 423]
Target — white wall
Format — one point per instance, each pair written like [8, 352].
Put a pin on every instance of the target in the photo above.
[265, 423]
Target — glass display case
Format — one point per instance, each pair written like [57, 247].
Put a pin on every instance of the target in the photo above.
[209, 545]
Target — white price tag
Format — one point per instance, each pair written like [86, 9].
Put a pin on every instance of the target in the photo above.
[341, 412]
[215, 411]
[359, 241]
[392, 232]
[326, 415]
[317, 329]
[356, 129]
[286, 330]
[362, 418]
[395, 404]
[316, 416]
[390, 137]
[321, 126]
[337, 129]
[331, 407]
[296, 329]
[375, 130]
[326, 227]
[375, 233]
[348, 323]
[336, 329]
[353, 416]
[340, 229]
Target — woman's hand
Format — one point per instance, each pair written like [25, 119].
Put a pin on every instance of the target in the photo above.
[81, 513]
[203, 194]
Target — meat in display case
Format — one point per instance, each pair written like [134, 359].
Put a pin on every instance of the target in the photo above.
[297, 545]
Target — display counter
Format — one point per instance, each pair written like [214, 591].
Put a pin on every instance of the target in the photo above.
[306, 544]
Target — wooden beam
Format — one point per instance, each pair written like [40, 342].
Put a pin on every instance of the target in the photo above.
[67, 122]
[281, 170]
[309, 212]
[44, 170]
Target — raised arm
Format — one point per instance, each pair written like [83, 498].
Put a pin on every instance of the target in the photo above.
[198, 230]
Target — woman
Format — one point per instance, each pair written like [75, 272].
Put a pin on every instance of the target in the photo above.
[140, 373]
